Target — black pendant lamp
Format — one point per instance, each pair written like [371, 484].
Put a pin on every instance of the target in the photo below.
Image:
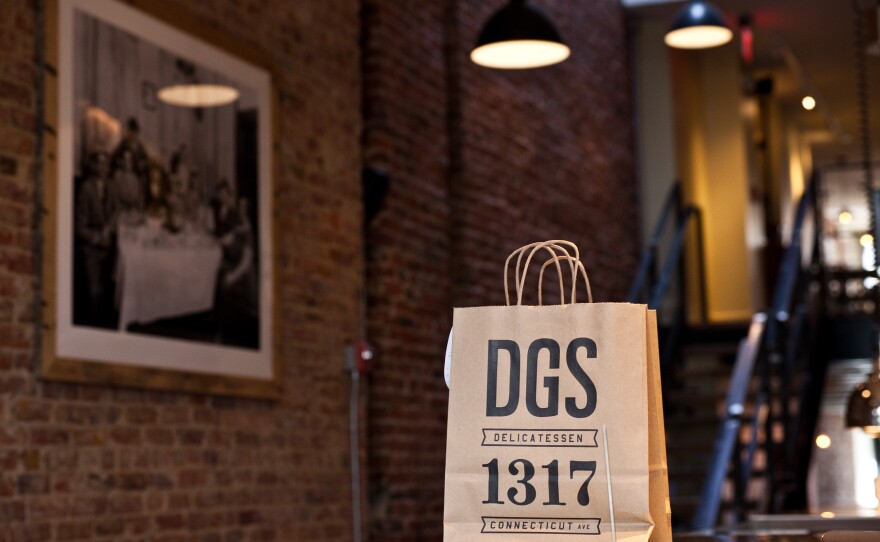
[863, 409]
[698, 25]
[518, 37]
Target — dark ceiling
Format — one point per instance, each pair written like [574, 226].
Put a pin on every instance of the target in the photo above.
[808, 47]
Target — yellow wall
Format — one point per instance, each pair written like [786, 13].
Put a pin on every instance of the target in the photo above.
[711, 143]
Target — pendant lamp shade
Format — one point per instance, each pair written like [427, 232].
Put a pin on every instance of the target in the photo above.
[198, 95]
[863, 409]
[187, 91]
[698, 25]
[518, 37]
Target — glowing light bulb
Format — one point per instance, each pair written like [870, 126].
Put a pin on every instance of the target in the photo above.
[845, 217]
[809, 103]
[866, 240]
[823, 441]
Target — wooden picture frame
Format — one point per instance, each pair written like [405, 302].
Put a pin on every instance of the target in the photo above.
[158, 253]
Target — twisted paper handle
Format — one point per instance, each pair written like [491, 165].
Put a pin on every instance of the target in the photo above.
[572, 262]
[558, 251]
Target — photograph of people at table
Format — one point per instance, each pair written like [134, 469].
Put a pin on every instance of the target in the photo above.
[165, 213]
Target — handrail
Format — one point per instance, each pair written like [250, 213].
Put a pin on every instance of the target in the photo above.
[746, 359]
[654, 289]
[674, 252]
[761, 340]
[790, 267]
[673, 201]
[656, 292]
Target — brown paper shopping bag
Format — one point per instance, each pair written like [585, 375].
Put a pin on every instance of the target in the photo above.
[555, 425]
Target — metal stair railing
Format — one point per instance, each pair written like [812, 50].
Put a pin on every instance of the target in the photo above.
[747, 354]
[761, 349]
[645, 274]
[651, 288]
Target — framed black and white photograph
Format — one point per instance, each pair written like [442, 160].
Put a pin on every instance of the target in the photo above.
[160, 229]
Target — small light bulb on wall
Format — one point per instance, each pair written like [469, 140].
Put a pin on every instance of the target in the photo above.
[823, 441]
[866, 240]
[809, 103]
[845, 217]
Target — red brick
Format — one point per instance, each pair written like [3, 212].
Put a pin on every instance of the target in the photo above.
[31, 411]
[8, 165]
[74, 530]
[30, 459]
[61, 459]
[125, 504]
[132, 481]
[109, 527]
[169, 521]
[174, 415]
[48, 508]
[90, 506]
[19, 95]
[29, 532]
[33, 484]
[11, 511]
[178, 501]
[48, 436]
[159, 436]
[141, 415]
[192, 478]
[125, 435]
[191, 437]
[9, 460]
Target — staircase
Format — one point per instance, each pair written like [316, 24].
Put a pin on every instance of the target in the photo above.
[731, 393]
[693, 405]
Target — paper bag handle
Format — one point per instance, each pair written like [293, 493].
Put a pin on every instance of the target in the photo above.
[551, 246]
[571, 262]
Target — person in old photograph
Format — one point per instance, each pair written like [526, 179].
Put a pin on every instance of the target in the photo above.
[184, 201]
[131, 143]
[127, 187]
[164, 242]
[95, 220]
[156, 208]
[236, 304]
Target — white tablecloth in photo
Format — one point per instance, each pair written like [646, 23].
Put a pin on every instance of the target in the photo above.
[163, 275]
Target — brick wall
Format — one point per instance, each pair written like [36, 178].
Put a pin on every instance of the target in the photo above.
[480, 162]
[405, 120]
[87, 462]
[547, 154]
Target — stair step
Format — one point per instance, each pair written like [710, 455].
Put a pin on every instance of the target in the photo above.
[673, 422]
[680, 451]
[709, 349]
[686, 506]
[697, 473]
[692, 396]
[694, 401]
[715, 333]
